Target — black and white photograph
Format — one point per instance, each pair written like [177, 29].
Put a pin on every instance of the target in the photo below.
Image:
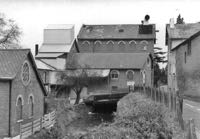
[99, 69]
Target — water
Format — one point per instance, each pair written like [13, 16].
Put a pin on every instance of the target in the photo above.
[101, 114]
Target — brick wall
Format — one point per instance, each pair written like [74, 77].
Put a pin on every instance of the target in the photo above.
[105, 48]
[34, 88]
[121, 82]
[4, 108]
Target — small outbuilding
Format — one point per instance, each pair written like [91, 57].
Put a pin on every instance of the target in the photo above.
[22, 91]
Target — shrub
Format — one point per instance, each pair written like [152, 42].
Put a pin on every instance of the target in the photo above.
[137, 117]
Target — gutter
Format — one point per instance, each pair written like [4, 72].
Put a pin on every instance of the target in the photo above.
[9, 114]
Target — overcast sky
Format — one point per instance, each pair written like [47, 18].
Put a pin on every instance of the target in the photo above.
[34, 15]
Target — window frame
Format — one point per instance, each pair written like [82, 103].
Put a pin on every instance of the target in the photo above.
[20, 118]
[132, 74]
[29, 73]
[124, 43]
[31, 111]
[82, 44]
[111, 75]
[189, 48]
[145, 44]
[110, 41]
[95, 43]
[130, 42]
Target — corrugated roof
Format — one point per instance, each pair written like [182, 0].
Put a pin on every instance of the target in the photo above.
[107, 60]
[48, 55]
[59, 26]
[124, 31]
[10, 61]
[55, 48]
[183, 31]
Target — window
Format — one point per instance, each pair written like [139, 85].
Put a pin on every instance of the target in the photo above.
[189, 48]
[129, 74]
[25, 73]
[114, 74]
[132, 43]
[185, 57]
[97, 43]
[85, 44]
[110, 43]
[144, 45]
[31, 105]
[121, 43]
[19, 108]
[148, 62]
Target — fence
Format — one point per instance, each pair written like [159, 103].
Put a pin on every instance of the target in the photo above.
[174, 102]
[30, 128]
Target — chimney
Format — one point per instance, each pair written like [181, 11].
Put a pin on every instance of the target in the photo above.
[171, 22]
[146, 19]
[36, 49]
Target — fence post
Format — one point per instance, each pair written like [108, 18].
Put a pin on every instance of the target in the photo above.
[191, 130]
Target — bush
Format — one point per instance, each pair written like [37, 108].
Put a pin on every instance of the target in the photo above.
[137, 117]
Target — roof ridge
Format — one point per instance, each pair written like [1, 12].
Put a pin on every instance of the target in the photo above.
[112, 24]
[26, 49]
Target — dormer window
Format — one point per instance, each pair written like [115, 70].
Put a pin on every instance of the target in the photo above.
[97, 43]
[85, 44]
[121, 43]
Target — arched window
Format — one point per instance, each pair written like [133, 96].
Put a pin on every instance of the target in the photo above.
[19, 108]
[97, 43]
[110, 43]
[25, 73]
[121, 43]
[31, 105]
[85, 44]
[144, 77]
[130, 74]
[114, 74]
[148, 62]
[144, 45]
[132, 43]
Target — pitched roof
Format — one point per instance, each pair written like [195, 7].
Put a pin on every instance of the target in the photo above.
[107, 60]
[182, 31]
[120, 31]
[11, 61]
[187, 40]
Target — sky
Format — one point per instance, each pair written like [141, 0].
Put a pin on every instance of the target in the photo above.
[33, 16]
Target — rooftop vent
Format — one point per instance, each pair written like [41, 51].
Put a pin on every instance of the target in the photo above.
[145, 29]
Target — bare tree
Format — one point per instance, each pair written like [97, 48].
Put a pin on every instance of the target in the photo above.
[74, 79]
[75, 76]
[9, 33]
